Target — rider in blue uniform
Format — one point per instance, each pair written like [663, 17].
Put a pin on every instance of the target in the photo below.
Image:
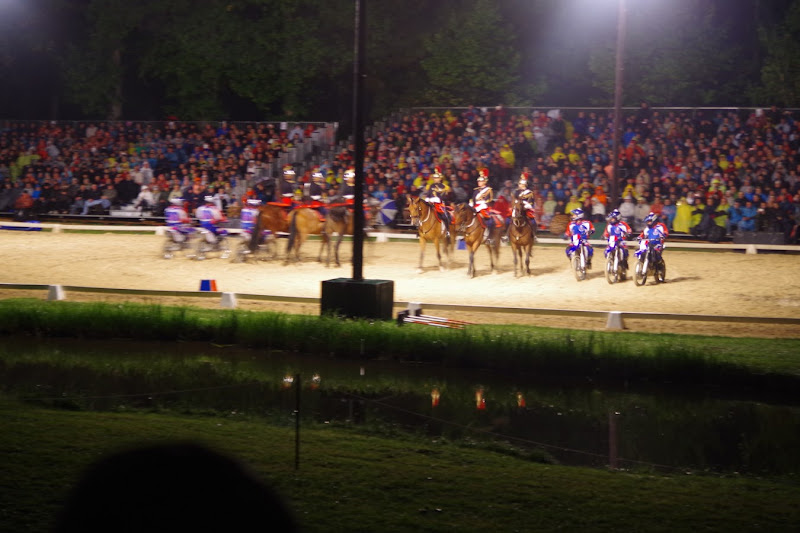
[617, 230]
[654, 232]
[210, 216]
[579, 230]
[178, 220]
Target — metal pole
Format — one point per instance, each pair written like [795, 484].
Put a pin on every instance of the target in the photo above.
[614, 201]
[612, 440]
[358, 135]
[297, 422]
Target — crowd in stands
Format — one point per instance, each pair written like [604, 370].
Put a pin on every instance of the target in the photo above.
[704, 172]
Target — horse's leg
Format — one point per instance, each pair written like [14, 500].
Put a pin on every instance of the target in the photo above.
[325, 244]
[515, 250]
[528, 250]
[421, 253]
[472, 248]
[438, 252]
[336, 250]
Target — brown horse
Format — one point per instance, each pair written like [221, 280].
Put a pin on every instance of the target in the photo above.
[270, 217]
[431, 229]
[467, 221]
[303, 222]
[521, 236]
[306, 221]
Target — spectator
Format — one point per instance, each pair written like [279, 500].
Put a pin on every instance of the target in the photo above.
[106, 199]
[144, 201]
[23, 206]
[749, 216]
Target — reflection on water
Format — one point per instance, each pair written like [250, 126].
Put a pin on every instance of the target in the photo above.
[570, 424]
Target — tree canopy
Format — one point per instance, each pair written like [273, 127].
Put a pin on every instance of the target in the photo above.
[293, 59]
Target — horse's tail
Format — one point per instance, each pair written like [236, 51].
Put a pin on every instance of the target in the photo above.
[292, 230]
[255, 237]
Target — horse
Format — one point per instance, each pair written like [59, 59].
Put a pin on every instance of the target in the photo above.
[303, 222]
[521, 236]
[341, 221]
[430, 228]
[467, 221]
[270, 217]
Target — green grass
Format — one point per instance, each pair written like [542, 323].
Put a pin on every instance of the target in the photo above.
[351, 482]
[560, 354]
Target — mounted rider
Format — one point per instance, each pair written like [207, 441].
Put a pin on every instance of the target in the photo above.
[313, 191]
[527, 197]
[482, 197]
[435, 193]
[578, 231]
[653, 232]
[348, 192]
[618, 230]
[248, 216]
[288, 185]
[210, 217]
[178, 220]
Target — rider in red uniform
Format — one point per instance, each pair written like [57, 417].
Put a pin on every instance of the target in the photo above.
[526, 196]
[435, 193]
[482, 197]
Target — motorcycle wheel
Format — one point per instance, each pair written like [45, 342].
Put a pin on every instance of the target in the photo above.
[580, 271]
[640, 275]
[661, 272]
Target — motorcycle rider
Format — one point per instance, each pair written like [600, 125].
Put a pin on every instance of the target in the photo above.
[178, 221]
[583, 229]
[619, 230]
[210, 217]
[653, 232]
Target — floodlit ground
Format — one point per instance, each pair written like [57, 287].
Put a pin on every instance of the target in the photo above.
[724, 283]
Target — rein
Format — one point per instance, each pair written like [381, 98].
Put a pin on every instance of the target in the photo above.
[422, 221]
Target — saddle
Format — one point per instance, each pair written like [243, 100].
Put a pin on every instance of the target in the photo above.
[490, 214]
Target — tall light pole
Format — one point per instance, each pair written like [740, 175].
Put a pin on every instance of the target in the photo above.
[617, 126]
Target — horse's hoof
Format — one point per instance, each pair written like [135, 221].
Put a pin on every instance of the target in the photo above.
[419, 271]
[442, 269]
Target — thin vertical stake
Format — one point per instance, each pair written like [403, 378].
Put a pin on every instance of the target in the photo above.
[612, 440]
[297, 422]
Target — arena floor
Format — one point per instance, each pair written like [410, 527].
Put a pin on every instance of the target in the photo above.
[708, 283]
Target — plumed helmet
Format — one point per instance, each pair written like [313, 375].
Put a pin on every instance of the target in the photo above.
[483, 174]
[209, 199]
[350, 174]
[288, 171]
[176, 201]
[437, 174]
[577, 214]
[254, 202]
[317, 176]
[651, 219]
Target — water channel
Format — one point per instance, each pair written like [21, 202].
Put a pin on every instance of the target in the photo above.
[581, 424]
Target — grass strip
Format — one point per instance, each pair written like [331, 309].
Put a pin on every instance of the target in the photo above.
[621, 357]
[352, 482]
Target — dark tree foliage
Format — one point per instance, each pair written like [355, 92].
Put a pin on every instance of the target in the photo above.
[293, 59]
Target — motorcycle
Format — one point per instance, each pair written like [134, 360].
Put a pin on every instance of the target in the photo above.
[616, 264]
[580, 257]
[177, 241]
[266, 250]
[649, 263]
[208, 242]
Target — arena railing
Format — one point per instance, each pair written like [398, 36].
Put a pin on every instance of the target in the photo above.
[385, 235]
[614, 319]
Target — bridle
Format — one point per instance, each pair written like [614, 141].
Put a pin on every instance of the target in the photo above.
[422, 221]
[464, 227]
